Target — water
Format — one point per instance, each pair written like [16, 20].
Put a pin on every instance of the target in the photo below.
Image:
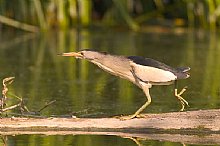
[80, 140]
[83, 90]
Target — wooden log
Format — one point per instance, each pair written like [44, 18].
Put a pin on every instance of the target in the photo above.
[193, 127]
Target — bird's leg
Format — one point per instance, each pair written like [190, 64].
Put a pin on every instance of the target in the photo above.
[134, 139]
[145, 88]
[147, 93]
[180, 98]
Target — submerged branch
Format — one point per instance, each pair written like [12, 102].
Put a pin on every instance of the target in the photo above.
[46, 105]
[11, 107]
[5, 83]
[23, 108]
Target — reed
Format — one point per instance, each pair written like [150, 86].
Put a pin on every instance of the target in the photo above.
[65, 14]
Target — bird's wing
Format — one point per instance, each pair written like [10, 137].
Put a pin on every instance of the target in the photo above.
[150, 62]
[149, 70]
[152, 74]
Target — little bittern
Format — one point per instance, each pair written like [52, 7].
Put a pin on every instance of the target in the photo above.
[143, 72]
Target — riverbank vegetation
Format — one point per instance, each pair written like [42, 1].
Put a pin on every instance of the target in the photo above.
[42, 15]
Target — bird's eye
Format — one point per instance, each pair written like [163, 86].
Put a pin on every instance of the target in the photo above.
[81, 53]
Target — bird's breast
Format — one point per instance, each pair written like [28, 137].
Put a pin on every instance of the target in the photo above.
[117, 68]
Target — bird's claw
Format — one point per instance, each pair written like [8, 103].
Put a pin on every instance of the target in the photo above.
[182, 100]
[129, 117]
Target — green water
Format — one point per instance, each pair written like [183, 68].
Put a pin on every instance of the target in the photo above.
[83, 90]
[80, 140]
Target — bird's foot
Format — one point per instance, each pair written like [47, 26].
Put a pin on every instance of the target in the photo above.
[129, 117]
[182, 100]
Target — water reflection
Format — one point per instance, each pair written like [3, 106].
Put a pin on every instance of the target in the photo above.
[78, 140]
[96, 139]
[82, 89]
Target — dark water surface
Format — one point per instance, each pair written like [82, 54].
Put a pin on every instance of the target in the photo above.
[83, 90]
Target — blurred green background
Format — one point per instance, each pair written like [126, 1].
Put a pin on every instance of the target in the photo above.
[35, 15]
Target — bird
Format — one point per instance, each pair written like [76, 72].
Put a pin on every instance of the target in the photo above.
[141, 71]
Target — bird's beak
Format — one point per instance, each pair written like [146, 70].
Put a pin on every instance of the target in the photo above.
[72, 54]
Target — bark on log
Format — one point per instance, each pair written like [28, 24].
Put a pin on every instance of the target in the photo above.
[193, 127]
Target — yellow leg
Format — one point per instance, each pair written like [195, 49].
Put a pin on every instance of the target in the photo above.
[145, 88]
[134, 140]
[182, 100]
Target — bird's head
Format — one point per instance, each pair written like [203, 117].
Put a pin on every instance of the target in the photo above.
[85, 54]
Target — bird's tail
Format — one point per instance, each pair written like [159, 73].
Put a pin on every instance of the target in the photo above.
[184, 71]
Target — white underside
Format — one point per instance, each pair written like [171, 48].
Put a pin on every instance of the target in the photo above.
[152, 74]
[126, 75]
